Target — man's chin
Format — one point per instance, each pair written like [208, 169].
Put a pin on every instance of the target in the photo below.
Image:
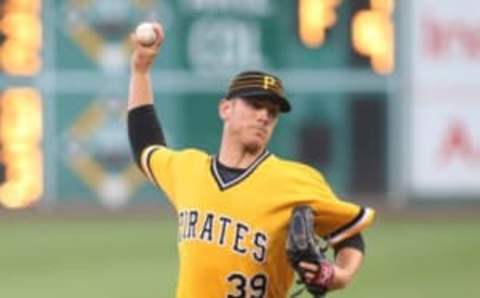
[255, 146]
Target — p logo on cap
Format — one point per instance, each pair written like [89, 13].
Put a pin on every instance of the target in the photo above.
[260, 85]
[268, 81]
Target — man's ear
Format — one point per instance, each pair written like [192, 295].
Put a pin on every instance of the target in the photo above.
[225, 107]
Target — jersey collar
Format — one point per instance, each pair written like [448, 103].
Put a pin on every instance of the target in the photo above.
[223, 185]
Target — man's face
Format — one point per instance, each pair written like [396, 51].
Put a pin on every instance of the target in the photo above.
[249, 121]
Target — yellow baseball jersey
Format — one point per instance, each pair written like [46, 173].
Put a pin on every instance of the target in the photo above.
[231, 235]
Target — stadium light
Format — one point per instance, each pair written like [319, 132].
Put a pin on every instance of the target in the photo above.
[373, 35]
[314, 18]
[21, 29]
[21, 135]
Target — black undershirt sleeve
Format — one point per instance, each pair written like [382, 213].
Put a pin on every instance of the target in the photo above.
[355, 242]
[143, 130]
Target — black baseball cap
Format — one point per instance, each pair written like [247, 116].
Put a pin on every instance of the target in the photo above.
[260, 85]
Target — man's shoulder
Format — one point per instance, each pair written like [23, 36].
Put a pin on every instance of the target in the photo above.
[292, 166]
[184, 153]
[193, 153]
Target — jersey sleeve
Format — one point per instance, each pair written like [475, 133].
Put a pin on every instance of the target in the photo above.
[335, 219]
[171, 170]
[338, 220]
[158, 165]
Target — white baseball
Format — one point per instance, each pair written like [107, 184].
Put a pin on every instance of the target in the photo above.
[145, 34]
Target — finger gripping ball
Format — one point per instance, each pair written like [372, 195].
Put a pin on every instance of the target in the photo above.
[146, 34]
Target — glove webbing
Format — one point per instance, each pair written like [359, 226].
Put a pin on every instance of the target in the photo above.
[303, 245]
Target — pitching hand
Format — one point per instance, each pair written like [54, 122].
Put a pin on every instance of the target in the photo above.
[144, 56]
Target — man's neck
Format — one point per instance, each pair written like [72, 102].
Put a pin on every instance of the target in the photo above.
[237, 156]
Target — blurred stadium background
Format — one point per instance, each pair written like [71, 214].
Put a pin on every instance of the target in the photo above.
[386, 104]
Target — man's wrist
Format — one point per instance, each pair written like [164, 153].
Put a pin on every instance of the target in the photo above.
[325, 275]
[140, 71]
[341, 278]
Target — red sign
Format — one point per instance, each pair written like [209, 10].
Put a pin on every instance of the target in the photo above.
[459, 143]
[440, 36]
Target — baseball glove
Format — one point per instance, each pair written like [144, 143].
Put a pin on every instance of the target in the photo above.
[304, 246]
